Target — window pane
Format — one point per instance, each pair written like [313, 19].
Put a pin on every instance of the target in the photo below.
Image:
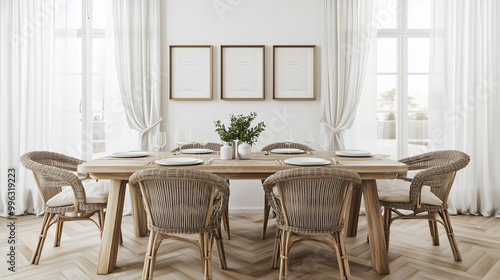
[386, 55]
[98, 14]
[98, 55]
[68, 58]
[386, 134]
[70, 16]
[67, 92]
[386, 92]
[387, 14]
[418, 139]
[419, 14]
[98, 94]
[418, 92]
[65, 115]
[418, 55]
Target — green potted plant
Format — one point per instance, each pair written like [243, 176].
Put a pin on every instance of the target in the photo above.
[228, 136]
[239, 129]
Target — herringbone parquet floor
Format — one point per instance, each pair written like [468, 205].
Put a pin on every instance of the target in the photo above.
[411, 254]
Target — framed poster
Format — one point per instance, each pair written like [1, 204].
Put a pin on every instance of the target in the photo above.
[191, 72]
[242, 72]
[294, 72]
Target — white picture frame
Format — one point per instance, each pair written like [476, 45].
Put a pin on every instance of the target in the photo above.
[242, 72]
[190, 72]
[294, 72]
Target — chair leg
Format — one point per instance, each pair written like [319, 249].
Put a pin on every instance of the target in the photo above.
[434, 229]
[59, 228]
[285, 239]
[225, 220]
[267, 208]
[149, 262]
[276, 249]
[387, 225]
[220, 248]
[345, 272]
[206, 255]
[47, 218]
[451, 236]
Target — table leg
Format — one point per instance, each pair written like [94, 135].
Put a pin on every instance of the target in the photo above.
[138, 212]
[112, 225]
[352, 213]
[378, 246]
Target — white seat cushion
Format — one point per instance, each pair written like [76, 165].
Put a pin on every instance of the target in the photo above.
[95, 192]
[399, 191]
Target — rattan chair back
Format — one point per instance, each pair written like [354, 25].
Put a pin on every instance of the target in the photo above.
[52, 171]
[182, 200]
[283, 145]
[310, 199]
[209, 145]
[439, 169]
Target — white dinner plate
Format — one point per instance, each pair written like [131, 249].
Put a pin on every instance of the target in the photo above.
[178, 161]
[354, 153]
[129, 154]
[196, 151]
[287, 151]
[307, 161]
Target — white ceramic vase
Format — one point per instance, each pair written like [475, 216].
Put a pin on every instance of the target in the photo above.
[244, 150]
[226, 151]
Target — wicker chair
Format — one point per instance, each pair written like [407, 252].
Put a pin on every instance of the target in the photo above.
[215, 147]
[209, 145]
[425, 195]
[182, 201]
[310, 206]
[52, 171]
[268, 148]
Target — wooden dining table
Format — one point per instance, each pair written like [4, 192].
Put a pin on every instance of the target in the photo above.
[259, 166]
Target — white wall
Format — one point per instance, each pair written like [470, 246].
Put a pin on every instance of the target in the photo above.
[242, 22]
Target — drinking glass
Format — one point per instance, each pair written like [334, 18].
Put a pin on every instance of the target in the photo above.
[323, 142]
[159, 141]
[179, 139]
[288, 138]
[309, 139]
[202, 139]
[193, 136]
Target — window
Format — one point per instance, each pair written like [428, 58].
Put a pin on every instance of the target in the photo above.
[402, 77]
[79, 77]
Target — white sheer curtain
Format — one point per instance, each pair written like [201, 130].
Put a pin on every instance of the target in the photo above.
[463, 98]
[348, 31]
[138, 57]
[26, 38]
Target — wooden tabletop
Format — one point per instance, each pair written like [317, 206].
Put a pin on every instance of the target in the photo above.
[259, 166]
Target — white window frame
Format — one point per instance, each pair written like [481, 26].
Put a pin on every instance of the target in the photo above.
[402, 34]
[87, 34]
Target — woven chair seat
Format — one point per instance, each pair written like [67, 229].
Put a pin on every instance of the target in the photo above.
[95, 193]
[398, 192]
[71, 208]
[183, 231]
[310, 231]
